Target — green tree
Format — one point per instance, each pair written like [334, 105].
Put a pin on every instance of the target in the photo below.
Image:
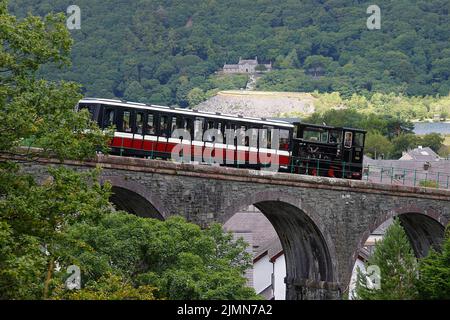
[196, 96]
[179, 258]
[398, 268]
[404, 142]
[433, 140]
[377, 145]
[33, 215]
[317, 65]
[434, 280]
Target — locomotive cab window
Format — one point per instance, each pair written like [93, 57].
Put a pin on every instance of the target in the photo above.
[348, 139]
[312, 135]
[359, 139]
[335, 136]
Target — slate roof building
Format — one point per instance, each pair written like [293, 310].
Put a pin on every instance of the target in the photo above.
[245, 66]
[420, 154]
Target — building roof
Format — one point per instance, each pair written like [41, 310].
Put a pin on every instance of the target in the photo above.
[420, 154]
[271, 247]
[231, 66]
[252, 221]
[250, 62]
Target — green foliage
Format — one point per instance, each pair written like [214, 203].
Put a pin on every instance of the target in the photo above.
[429, 184]
[35, 109]
[33, 218]
[377, 145]
[179, 258]
[434, 280]
[398, 268]
[317, 46]
[404, 142]
[433, 140]
[108, 287]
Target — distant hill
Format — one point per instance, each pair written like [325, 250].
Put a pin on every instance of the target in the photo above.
[259, 103]
[158, 51]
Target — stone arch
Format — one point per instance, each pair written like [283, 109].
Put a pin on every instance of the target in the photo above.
[133, 197]
[311, 264]
[424, 227]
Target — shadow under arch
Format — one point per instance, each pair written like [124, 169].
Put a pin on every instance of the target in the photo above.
[425, 228]
[311, 264]
[134, 198]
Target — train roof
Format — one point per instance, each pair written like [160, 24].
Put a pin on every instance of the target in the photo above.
[191, 112]
[329, 127]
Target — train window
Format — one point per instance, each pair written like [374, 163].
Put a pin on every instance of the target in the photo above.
[91, 108]
[163, 126]
[348, 139]
[324, 137]
[108, 118]
[208, 134]
[150, 124]
[242, 139]
[253, 137]
[230, 129]
[174, 124]
[198, 129]
[335, 136]
[139, 122]
[220, 127]
[359, 139]
[126, 121]
[186, 124]
[284, 139]
[266, 137]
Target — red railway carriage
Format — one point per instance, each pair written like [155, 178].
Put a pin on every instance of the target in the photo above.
[148, 131]
[154, 131]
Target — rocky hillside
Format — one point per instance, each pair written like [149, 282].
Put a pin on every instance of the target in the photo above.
[259, 103]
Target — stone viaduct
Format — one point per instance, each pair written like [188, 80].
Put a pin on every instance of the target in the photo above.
[322, 222]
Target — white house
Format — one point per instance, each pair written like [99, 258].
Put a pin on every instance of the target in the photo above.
[269, 270]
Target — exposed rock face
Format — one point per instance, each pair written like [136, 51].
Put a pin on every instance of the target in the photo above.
[259, 103]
